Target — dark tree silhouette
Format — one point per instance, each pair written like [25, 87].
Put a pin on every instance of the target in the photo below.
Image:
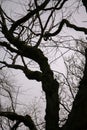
[24, 39]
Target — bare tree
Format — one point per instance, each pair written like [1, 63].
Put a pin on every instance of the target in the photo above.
[8, 98]
[23, 41]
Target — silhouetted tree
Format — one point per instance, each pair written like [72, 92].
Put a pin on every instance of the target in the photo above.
[23, 41]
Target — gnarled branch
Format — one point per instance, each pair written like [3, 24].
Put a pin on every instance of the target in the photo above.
[34, 75]
[15, 117]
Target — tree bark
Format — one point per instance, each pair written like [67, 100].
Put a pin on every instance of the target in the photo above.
[50, 86]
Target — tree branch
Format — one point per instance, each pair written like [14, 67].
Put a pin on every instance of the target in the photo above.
[57, 8]
[34, 75]
[68, 24]
[28, 16]
[25, 119]
[6, 45]
[15, 126]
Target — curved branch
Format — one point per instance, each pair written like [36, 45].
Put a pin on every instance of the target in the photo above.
[25, 119]
[34, 75]
[68, 24]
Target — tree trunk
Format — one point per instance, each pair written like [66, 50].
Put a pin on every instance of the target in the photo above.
[52, 103]
[77, 119]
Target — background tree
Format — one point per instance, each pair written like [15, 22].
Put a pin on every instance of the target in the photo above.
[24, 41]
[8, 98]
